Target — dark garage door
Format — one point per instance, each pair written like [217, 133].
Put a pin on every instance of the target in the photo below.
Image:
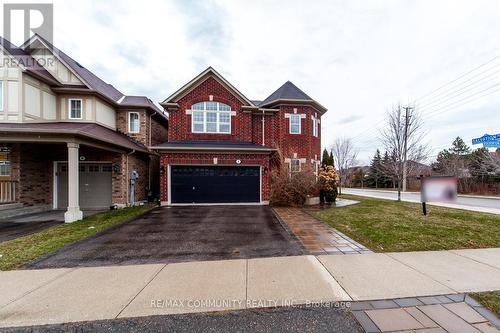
[215, 184]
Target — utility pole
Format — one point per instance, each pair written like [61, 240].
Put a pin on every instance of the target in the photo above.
[405, 169]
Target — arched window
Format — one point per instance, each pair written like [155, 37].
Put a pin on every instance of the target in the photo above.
[211, 117]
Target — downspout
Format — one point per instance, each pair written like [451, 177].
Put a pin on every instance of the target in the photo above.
[149, 160]
[127, 177]
[263, 129]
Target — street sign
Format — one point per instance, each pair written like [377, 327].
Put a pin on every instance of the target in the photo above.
[488, 141]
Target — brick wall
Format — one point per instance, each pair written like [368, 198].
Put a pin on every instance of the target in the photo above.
[159, 132]
[208, 159]
[180, 122]
[305, 145]
[122, 125]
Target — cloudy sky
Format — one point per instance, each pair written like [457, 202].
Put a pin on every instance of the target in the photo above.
[357, 58]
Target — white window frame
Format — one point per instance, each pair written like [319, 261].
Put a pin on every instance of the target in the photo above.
[292, 116]
[218, 123]
[69, 108]
[1, 96]
[315, 127]
[6, 168]
[130, 130]
[291, 163]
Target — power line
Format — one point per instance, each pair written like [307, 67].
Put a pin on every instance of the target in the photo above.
[458, 78]
[439, 101]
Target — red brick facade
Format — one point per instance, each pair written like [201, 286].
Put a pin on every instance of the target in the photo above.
[246, 126]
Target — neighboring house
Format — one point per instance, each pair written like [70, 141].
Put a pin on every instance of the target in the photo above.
[69, 140]
[221, 145]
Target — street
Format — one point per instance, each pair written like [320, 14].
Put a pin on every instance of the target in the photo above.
[489, 205]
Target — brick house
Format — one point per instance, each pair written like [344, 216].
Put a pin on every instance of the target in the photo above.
[221, 145]
[69, 140]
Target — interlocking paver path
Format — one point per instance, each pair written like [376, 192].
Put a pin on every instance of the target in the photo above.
[316, 236]
[450, 313]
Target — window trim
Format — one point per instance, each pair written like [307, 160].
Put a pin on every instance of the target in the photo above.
[1, 95]
[290, 124]
[138, 120]
[300, 165]
[315, 127]
[69, 108]
[218, 123]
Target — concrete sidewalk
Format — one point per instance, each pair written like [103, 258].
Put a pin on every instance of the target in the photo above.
[50, 296]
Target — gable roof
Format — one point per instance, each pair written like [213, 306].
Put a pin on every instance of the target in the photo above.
[89, 78]
[93, 82]
[289, 92]
[27, 61]
[199, 79]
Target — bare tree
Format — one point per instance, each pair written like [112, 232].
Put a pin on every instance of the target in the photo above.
[403, 138]
[345, 155]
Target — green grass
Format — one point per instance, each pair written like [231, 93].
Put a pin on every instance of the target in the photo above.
[386, 226]
[19, 251]
[490, 300]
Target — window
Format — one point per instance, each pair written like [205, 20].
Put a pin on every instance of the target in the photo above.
[295, 165]
[210, 117]
[75, 109]
[1, 95]
[133, 122]
[295, 123]
[315, 166]
[315, 126]
[5, 168]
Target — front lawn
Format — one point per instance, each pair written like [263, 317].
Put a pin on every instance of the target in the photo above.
[390, 226]
[490, 300]
[19, 251]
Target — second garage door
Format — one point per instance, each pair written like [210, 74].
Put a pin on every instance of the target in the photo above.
[215, 184]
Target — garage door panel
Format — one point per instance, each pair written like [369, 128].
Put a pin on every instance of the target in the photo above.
[215, 184]
[95, 185]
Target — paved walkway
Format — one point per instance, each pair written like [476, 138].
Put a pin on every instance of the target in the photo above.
[50, 296]
[316, 236]
[439, 314]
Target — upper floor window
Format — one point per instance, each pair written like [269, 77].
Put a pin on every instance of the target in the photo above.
[295, 127]
[1, 95]
[315, 123]
[133, 122]
[75, 108]
[210, 117]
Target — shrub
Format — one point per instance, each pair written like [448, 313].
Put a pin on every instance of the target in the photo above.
[292, 190]
[327, 181]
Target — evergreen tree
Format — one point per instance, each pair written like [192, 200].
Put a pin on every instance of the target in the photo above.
[375, 173]
[332, 162]
[325, 159]
[459, 147]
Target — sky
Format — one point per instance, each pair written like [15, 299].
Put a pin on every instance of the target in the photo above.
[357, 58]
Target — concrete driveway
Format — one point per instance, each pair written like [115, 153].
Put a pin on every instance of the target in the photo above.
[175, 234]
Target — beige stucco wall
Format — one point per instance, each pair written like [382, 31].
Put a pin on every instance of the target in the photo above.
[55, 67]
[39, 102]
[105, 115]
[11, 77]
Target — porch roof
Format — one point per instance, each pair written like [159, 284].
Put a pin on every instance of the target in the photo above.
[90, 131]
[213, 146]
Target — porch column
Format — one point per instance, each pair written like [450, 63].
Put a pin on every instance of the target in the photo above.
[73, 213]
